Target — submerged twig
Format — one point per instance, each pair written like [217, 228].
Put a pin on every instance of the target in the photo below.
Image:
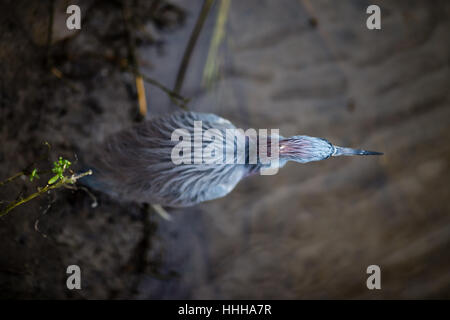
[142, 100]
[140, 88]
[174, 96]
[210, 70]
[191, 44]
[162, 212]
[12, 178]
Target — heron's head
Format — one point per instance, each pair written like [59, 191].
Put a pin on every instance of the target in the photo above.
[305, 149]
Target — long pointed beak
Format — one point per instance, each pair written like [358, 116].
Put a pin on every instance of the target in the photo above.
[339, 151]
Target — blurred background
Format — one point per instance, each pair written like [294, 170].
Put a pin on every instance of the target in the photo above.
[305, 67]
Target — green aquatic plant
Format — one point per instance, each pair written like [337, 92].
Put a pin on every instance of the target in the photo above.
[59, 167]
[63, 177]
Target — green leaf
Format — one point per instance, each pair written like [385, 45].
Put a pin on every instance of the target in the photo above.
[34, 175]
[53, 180]
[60, 166]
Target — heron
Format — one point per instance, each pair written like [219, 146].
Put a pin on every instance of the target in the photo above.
[136, 164]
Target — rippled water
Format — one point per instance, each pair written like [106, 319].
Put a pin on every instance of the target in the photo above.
[312, 67]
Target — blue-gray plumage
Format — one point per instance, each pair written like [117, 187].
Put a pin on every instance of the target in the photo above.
[136, 164]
